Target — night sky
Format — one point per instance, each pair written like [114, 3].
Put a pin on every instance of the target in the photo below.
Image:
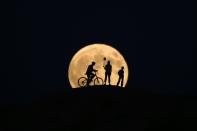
[154, 37]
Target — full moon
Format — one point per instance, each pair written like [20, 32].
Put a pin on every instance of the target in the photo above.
[97, 53]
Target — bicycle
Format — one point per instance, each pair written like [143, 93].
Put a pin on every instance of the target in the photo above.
[82, 81]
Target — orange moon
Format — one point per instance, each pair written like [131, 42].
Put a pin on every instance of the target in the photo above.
[96, 52]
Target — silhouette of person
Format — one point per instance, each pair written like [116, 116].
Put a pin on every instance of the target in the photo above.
[90, 73]
[108, 69]
[121, 76]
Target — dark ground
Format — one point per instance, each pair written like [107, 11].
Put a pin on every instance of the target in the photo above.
[98, 109]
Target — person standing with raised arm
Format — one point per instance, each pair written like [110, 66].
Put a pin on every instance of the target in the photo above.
[108, 70]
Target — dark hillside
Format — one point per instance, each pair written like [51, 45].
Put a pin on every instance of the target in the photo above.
[107, 108]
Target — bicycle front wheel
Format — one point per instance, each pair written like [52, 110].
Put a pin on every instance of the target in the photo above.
[98, 81]
[82, 82]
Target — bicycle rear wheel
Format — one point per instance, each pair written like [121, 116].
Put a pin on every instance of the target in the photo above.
[82, 82]
[98, 81]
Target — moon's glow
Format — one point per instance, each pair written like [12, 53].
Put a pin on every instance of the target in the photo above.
[96, 52]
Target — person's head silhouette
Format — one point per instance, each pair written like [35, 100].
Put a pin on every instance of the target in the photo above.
[122, 67]
[108, 62]
[93, 63]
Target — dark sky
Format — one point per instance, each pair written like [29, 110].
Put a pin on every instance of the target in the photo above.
[154, 37]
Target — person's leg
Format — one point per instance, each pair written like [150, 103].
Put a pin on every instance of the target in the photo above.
[105, 78]
[88, 80]
[93, 75]
[109, 75]
[122, 80]
[118, 81]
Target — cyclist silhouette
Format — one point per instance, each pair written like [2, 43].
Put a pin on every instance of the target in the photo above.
[90, 73]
